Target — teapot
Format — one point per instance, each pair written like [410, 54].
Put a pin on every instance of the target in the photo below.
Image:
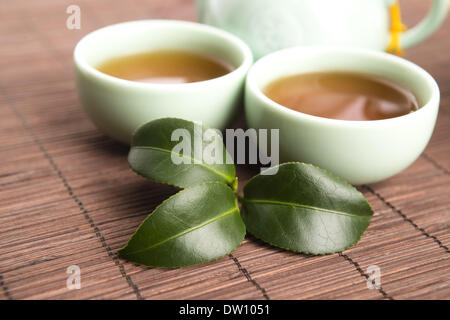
[269, 25]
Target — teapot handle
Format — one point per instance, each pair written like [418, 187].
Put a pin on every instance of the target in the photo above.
[428, 25]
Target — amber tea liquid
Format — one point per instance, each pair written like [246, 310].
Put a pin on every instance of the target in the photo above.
[343, 96]
[166, 66]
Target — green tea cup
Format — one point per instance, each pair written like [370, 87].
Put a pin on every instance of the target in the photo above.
[117, 107]
[358, 151]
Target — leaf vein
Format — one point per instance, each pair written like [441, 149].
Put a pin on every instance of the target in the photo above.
[180, 234]
[291, 204]
[226, 177]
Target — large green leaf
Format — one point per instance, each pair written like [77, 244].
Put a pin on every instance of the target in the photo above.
[152, 150]
[198, 224]
[305, 209]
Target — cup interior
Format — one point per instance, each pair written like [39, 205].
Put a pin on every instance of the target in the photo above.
[328, 59]
[149, 35]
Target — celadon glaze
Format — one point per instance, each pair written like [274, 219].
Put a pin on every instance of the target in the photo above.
[359, 151]
[268, 25]
[117, 107]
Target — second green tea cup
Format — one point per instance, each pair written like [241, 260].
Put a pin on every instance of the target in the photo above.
[358, 151]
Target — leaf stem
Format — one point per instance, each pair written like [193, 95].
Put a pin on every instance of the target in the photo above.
[234, 185]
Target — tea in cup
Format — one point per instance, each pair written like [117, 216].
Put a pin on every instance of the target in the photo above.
[359, 150]
[134, 72]
[166, 66]
[343, 96]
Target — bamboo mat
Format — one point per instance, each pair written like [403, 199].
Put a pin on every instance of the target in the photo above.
[67, 196]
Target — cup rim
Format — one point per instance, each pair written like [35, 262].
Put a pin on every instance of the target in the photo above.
[82, 64]
[251, 85]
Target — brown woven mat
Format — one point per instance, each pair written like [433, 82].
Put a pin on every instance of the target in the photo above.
[67, 196]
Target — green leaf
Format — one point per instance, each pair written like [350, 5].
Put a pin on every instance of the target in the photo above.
[305, 209]
[152, 151]
[196, 225]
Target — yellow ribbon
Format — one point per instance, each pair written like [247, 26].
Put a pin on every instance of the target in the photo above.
[397, 28]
